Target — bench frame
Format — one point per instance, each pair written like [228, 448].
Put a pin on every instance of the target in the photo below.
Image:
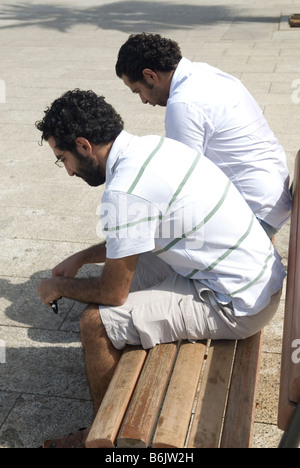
[289, 398]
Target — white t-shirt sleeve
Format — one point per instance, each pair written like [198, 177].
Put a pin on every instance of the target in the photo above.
[185, 123]
[129, 224]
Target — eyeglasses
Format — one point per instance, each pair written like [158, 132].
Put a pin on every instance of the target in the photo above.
[60, 162]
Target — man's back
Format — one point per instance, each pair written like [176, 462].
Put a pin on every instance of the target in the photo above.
[213, 112]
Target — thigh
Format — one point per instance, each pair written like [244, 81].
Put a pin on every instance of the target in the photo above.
[162, 314]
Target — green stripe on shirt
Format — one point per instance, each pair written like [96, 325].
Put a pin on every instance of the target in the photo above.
[143, 168]
[231, 249]
[133, 223]
[228, 252]
[199, 226]
[185, 179]
[247, 286]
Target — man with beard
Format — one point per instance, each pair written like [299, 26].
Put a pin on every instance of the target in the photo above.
[184, 257]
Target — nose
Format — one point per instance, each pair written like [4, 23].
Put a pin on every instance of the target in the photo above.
[143, 99]
[69, 170]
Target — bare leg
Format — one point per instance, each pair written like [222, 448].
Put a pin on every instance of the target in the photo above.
[101, 357]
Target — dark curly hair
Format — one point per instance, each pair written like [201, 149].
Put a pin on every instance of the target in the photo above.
[80, 114]
[147, 51]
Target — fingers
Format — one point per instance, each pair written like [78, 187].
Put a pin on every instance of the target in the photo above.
[47, 291]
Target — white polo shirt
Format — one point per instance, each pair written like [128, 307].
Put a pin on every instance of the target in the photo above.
[214, 113]
[164, 197]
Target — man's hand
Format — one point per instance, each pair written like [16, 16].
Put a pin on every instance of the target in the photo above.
[48, 291]
[111, 288]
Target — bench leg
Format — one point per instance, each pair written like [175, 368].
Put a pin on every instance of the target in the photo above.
[291, 438]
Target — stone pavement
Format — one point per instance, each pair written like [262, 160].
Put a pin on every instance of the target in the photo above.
[46, 49]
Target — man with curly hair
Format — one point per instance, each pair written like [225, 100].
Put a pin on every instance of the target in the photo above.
[170, 273]
[212, 112]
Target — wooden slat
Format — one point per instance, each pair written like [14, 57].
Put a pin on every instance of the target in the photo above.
[141, 416]
[109, 417]
[175, 416]
[207, 423]
[286, 406]
[239, 419]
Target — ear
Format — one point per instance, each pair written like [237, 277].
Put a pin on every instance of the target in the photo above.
[150, 76]
[84, 146]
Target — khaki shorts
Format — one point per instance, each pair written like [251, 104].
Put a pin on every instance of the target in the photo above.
[164, 307]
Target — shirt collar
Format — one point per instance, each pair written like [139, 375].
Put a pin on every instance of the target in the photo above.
[119, 146]
[181, 73]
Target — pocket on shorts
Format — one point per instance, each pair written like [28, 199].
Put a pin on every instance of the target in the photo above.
[159, 322]
[195, 318]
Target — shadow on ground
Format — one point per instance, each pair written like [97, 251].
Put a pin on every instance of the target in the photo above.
[126, 16]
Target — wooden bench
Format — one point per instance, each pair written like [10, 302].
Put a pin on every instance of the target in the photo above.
[289, 406]
[181, 395]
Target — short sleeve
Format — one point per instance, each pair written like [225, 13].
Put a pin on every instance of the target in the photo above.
[129, 224]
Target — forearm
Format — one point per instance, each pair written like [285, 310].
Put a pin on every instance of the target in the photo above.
[111, 288]
[69, 267]
[86, 290]
[94, 254]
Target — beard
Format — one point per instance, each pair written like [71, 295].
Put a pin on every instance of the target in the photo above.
[92, 176]
[89, 171]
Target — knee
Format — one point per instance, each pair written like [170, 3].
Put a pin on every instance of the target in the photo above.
[91, 326]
